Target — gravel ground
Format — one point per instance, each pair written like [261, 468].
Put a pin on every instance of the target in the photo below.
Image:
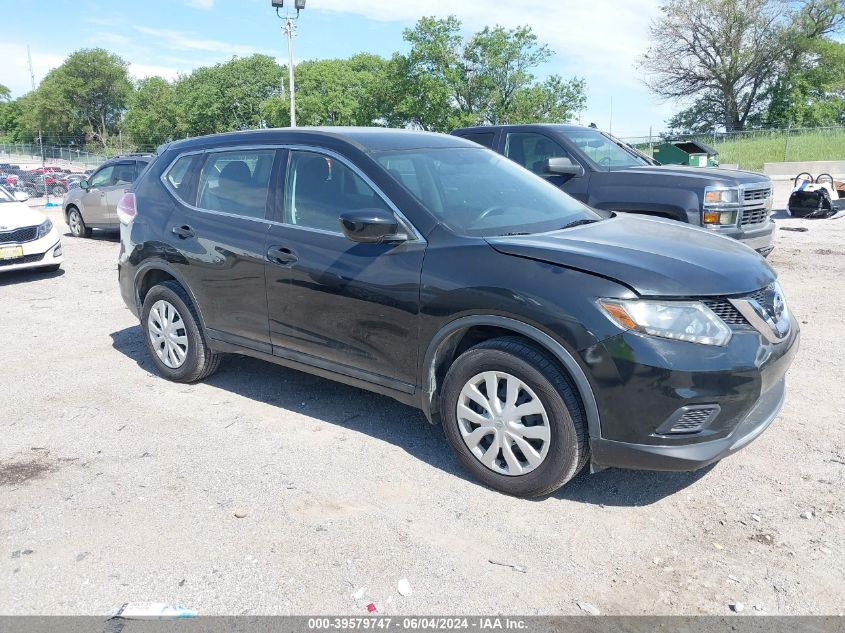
[118, 486]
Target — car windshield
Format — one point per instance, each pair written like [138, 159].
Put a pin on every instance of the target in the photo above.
[479, 193]
[5, 196]
[604, 150]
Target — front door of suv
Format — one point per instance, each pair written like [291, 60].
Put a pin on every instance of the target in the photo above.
[219, 230]
[335, 303]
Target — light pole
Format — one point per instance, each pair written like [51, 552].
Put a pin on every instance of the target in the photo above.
[290, 30]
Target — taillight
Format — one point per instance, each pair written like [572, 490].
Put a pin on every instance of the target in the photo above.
[126, 210]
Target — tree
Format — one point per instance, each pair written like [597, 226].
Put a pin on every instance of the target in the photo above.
[729, 54]
[333, 92]
[151, 118]
[5, 94]
[447, 81]
[227, 97]
[85, 96]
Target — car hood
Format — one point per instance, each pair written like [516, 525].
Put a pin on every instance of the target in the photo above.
[654, 257]
[694, 176]
[14, 215]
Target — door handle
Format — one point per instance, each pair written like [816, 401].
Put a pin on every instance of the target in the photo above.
[182, 232]
[281, 255]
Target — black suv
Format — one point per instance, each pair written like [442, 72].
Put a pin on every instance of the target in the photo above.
[541, 335]
[606, 173]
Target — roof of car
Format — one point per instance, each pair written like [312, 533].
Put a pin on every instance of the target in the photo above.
[555, 126]
[367, 139]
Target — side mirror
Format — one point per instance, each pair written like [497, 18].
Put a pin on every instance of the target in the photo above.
[21, 196]
[564, 167]
[371, 226]
[83, 184]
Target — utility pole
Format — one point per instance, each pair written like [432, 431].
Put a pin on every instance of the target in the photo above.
[610, 130]
[289, 30]
[32, 81]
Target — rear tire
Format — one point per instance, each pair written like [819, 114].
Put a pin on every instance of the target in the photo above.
[173, 335]
[530, 380]
[77, 224]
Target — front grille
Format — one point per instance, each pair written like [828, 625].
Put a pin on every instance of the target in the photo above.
[756, 215]
[26, 234]
[757, 194]
[761, 295]
[725, 310]
[26, 259]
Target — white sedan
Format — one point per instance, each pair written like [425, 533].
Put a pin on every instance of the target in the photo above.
[28, 238]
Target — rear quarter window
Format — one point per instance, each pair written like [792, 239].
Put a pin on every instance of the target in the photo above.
[178, 178]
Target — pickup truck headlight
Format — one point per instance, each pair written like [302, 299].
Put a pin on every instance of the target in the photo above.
[44, 229]
[720, 206]
[690, 321]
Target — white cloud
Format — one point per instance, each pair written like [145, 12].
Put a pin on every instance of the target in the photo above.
[14, 72]
[185, 41]
[141, 71]
[201, 4]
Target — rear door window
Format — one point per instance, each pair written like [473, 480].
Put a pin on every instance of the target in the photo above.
[482, 138]
[236, 182]
[123, 174]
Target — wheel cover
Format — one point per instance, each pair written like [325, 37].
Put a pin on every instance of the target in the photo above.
[168, 334]
[503, 423]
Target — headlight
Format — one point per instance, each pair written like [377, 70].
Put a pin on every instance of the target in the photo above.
[680, 320]
[44, 229]
[714, 196]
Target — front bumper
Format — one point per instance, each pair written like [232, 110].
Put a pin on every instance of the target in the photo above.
[760, 237]
[46, 251]
[641, 382]
[692, 456]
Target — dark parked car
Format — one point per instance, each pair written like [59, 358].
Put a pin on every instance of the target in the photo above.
[606, 173]
[541, 335]
[91, 203]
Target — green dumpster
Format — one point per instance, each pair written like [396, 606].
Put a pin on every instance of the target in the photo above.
[693, 153]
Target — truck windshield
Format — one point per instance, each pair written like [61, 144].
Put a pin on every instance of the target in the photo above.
[479, 193]
[604, 150]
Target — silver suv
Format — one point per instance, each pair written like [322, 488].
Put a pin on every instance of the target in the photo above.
[92, 203]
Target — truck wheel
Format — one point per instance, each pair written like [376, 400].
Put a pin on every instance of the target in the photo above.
[513, 417]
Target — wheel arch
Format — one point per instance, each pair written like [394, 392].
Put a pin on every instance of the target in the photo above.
[151, 274]
[462, 333]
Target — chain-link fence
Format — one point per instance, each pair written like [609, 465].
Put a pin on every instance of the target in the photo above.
[33, 154]
[751, 149]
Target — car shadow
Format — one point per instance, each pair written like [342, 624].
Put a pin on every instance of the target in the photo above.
[13, 277]
[398, 424]
[98, 235]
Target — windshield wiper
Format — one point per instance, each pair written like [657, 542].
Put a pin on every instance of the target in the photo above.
[578, 223]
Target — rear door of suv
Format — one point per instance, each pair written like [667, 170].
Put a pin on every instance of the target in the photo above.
[219, 229]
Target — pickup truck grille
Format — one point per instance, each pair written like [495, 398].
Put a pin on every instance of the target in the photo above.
[757, 194]
[754, 216]
[754, 207]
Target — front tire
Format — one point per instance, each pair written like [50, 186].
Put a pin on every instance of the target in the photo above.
[77, 224]
[173, 335]
[529, 437]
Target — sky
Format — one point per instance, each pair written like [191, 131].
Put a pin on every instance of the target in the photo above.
[598, 40]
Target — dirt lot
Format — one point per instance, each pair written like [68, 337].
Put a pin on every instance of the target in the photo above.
[117, 486]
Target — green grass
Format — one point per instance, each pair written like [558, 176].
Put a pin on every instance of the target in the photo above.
[751, 149]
